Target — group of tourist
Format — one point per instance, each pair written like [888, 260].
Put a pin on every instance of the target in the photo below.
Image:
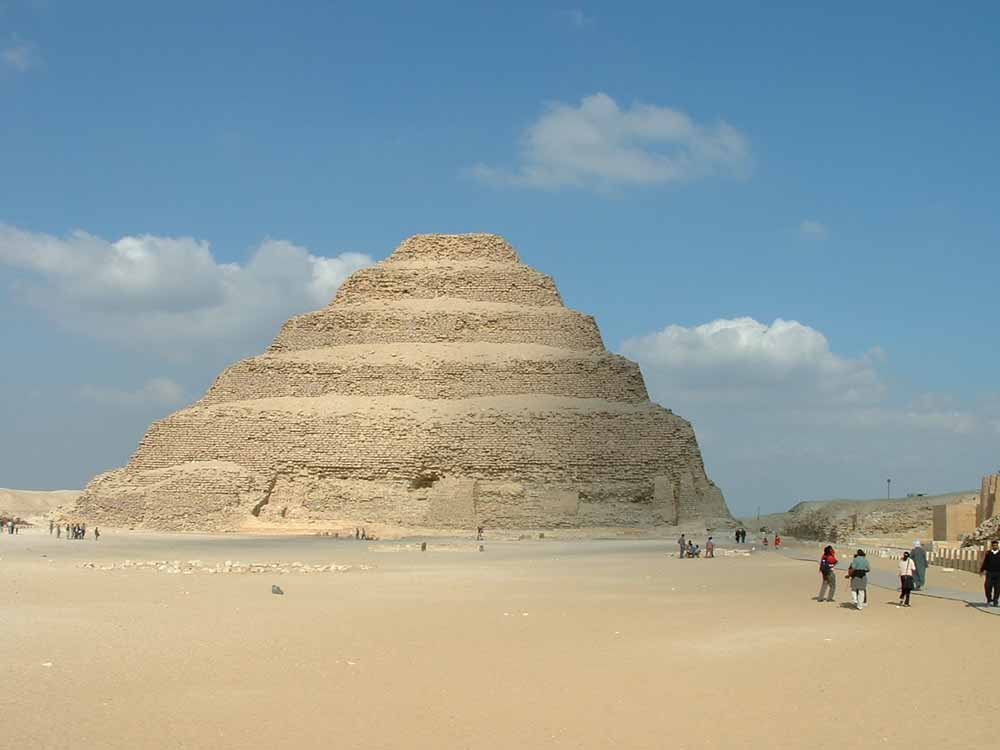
[740, 535]
[912, 575]
[73, 530]
[10, 525]
[686, 548]
[857, 573]
[362, 533]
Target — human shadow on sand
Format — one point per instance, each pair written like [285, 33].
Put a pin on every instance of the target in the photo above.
[983, 607]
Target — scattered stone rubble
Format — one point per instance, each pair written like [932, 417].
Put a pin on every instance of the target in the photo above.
[986, 532]
[719, 552]
[191, 567]
[986, 513]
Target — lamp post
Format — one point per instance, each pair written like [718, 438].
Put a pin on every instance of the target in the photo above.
[888, 489]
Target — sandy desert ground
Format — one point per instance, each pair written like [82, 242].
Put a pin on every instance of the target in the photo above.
[529, 644]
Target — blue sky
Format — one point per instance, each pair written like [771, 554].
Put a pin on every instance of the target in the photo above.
[852, 189]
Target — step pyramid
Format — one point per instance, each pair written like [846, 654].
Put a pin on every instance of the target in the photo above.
[447, 386]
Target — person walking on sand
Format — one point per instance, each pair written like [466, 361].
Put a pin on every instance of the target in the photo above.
[991, 570]
[764, 541]
[682, 545]
[710, 548]
[906, 570]
[777, 541]
[858, 573]
[919, 556]
[58, 531]
[828, 585]
[51, 524]
[97, 533]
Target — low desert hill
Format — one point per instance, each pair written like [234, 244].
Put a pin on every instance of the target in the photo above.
[835, 520]
[33, 503]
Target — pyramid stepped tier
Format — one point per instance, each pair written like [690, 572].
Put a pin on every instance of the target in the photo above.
[439, 320]
[445, 387]
[474, 248]
[479, 282]
[432, 371]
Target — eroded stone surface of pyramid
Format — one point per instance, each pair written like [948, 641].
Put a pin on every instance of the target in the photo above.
[447, 386]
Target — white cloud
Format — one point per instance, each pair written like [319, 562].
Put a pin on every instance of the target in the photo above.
[20, 56]
[740, 359]
[169, 294]
[812, 229]
[781, 416]
[154, 392]
[599, 145]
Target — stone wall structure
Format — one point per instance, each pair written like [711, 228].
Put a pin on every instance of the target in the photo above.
[988, 492]
[952, 523]
[446, 386]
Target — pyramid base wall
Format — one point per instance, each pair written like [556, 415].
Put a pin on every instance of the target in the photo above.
[196, 498]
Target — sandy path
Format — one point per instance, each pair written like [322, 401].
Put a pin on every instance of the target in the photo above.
[621, 646]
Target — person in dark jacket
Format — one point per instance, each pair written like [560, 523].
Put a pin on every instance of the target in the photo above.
[919, 556]
[991, 570]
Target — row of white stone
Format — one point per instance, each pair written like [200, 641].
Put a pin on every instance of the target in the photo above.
[196, 566]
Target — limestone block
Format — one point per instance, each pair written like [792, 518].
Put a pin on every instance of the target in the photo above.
[665, 499]
[564, 503]
[452, 503]
[953, 522]
[988, 498]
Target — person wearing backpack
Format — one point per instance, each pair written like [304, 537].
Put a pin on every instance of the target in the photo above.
[858, 573]
[906, 570]
[828, 587]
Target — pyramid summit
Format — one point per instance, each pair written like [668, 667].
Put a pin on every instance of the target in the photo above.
[446, 386]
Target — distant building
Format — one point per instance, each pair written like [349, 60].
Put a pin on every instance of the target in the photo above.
[988, 498]
[953, 522]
